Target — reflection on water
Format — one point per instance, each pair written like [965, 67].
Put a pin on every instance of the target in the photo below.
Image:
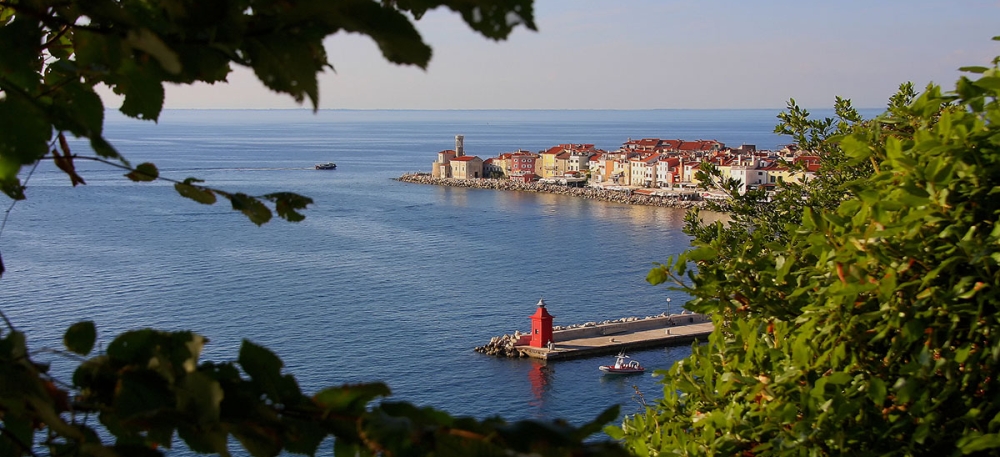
[539, 375]
[546, 204]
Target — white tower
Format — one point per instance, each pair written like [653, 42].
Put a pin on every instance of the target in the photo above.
[459, 145]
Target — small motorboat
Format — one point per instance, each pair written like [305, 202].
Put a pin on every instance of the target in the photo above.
[326, 166]
[623, 365]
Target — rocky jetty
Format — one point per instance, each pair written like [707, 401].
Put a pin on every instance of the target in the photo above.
[502, 346]
[616, 196]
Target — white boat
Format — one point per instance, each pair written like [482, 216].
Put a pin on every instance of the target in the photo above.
[326, 166]
[623, 365]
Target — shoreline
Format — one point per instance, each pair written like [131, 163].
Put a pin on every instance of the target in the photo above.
[593, 193]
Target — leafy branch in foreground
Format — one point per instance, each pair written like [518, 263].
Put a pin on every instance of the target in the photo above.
[869, 328]
[148, 390]
[57, 51]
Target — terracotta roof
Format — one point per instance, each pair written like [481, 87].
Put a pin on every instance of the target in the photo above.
[464, 158]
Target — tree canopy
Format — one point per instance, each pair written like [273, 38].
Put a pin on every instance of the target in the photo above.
[857, 316]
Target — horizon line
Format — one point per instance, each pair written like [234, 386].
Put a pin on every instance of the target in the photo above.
[502, 109]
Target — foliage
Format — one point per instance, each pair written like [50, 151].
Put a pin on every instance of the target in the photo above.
[57, 51]
[148, 390]
[869, 328]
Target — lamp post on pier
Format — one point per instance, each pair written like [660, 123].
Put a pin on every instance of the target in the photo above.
[668, 306]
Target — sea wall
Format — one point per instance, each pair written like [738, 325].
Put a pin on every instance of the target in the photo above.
[626, 324]
[616, 196]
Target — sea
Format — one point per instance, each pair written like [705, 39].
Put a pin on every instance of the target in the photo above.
[383, 280]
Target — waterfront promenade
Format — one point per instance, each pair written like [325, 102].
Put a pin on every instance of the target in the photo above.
[629, 197]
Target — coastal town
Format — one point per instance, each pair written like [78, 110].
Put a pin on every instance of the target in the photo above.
[648, 166]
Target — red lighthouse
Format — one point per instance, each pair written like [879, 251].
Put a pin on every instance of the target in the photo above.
[541, 326]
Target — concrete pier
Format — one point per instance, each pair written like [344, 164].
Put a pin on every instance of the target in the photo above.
[612, 338]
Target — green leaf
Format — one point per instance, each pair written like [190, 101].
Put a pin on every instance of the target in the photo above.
[286, 204]
[303, 436]
[78, 109]
[496, 19]
[973, 69]
[80, 337]
[287, 63]
[142, 394]
[188, 189]
[701, 253]
[133, 347]
[145, 40]
[26, 134]
[251, 207]
[352, 398]
[144, 172]
[261, 440]
[143, 91]
[199, 396]
[981, 443]
[657, 275]
[392, 31]
[104, 149]
[20, 62]
[97, 53]
[264, 369]
[988, 82]
[876, 391]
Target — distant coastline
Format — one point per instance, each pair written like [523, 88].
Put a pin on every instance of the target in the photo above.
[677, 200]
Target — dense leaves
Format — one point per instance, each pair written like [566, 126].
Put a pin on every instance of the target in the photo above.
[149, 391]
[866, 321]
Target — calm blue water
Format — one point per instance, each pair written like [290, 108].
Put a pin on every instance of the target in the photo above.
[383, 280]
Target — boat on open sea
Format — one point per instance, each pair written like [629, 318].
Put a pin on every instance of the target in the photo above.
[623, 365]
[326, 166]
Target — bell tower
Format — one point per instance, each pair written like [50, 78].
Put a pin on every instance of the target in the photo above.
[459, 145]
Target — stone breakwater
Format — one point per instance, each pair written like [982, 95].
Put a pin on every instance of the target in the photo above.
[503, 346]
[615, 196]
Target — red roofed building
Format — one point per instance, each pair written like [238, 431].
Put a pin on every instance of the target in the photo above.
[522, 166]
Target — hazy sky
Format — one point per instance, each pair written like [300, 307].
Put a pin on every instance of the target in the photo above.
[640, 54]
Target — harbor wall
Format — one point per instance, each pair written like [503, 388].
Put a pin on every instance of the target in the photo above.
[637, 325]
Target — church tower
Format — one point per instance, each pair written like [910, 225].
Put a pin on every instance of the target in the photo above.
[459, 145]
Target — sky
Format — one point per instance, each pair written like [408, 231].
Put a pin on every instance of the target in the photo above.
[648, 54]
